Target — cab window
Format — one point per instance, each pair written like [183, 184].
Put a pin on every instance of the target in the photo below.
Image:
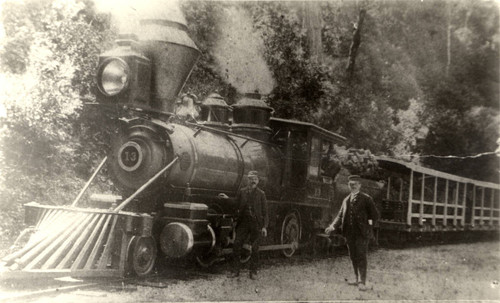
[299, 154]
[315, 157]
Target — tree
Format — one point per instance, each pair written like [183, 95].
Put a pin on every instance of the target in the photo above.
[401, 65]
[462, 102]
[45, 86]
[356, 41]
[312, 21]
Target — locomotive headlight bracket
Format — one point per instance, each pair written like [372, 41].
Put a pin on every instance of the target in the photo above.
[113, 76]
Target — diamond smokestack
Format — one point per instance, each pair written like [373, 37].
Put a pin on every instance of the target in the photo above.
[163, 36]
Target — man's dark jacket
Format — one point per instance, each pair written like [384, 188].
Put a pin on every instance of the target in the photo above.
[364, 209]
[257, 200]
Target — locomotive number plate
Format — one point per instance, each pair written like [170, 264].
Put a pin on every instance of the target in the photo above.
[130, 156]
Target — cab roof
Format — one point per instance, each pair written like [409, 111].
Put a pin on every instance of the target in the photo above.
[277, 123]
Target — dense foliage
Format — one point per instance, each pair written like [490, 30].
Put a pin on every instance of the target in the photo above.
[425, 84]
[425, 81]
[49, 139]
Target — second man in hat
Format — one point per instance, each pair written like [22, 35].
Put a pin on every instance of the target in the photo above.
[252, 221]
[355, 219]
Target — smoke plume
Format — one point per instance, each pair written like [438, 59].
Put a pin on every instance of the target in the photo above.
[126, 14]
[239, 54]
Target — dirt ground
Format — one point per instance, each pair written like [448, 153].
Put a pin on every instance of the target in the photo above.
[447, 272]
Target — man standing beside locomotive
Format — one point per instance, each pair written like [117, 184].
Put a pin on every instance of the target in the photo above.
[252, 221]
[355, 219]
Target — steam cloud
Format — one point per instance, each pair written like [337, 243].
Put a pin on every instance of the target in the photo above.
[239, 54]
[126, 14]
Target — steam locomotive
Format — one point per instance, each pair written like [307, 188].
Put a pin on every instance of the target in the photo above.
[180, 169]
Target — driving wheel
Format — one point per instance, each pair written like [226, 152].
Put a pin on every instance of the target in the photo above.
[290, 234]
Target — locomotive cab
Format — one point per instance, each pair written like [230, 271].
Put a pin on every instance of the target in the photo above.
[309, 151]
[310, 170]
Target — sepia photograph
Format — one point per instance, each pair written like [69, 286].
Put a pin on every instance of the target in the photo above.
[249, 151]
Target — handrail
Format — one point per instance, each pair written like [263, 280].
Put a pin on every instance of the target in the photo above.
[220, 131]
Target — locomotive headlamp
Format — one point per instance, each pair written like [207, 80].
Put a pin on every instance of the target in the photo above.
[113, 76]
[124, 78]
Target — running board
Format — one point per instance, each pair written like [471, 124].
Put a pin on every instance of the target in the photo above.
[228, 251]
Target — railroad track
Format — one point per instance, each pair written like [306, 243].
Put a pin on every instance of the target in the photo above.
[33, 290]
[27, 290]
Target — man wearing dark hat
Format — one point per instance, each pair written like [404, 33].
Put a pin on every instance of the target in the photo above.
[355, 219]
[252, 221]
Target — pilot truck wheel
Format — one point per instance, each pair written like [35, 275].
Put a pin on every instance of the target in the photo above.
[142, 253]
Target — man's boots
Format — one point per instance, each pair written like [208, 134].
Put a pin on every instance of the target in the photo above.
[253, 274]
[353, 282]
[234, 274]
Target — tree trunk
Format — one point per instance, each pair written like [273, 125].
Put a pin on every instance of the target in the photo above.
[356, 41]
[313, 23]
[448, 39]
